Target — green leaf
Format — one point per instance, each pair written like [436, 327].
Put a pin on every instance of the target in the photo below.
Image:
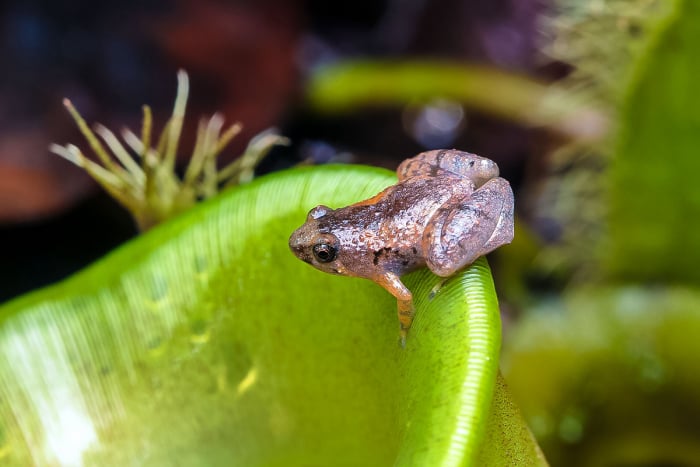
[206, 342]
[508, 440]
[655, 203]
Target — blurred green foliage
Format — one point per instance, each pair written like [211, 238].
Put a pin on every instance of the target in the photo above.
[608, 376]
[654, 197]
[606, 372]
[601, 40]
[354, 84]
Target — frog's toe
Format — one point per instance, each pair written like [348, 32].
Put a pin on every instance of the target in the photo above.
[402, 338]
[436, 288]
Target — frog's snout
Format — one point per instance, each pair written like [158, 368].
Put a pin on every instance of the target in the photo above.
[295, 243]
[298, 244]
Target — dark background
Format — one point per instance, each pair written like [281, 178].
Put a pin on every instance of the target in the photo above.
[248, 60]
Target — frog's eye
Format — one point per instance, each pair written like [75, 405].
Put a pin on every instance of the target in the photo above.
[325, 252]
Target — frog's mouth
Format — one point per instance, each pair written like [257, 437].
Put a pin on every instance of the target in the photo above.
[305, 258]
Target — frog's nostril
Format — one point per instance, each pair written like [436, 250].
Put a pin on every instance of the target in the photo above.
[297, 245]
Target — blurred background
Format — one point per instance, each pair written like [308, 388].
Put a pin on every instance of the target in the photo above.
[253, 62]
[588, 107]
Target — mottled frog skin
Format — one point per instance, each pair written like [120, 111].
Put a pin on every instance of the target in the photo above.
[448, 208]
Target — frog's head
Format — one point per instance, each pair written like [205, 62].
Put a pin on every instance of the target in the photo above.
[314, 244]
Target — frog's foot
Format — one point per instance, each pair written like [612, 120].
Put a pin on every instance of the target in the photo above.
[436, 288]
[402, 338]
[406, 314]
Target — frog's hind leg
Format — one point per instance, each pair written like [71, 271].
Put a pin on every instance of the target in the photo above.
[462, 230]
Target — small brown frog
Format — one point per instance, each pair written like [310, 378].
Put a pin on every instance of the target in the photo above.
[448, 208]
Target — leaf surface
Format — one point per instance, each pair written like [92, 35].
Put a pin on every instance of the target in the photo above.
[206, 342]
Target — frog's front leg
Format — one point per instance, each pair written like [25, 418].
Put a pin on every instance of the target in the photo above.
[404, 300]
[465, 228]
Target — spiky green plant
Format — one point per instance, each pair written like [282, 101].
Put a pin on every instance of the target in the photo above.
[148, 186]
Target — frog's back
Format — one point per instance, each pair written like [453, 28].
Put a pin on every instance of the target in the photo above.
[419, 198]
